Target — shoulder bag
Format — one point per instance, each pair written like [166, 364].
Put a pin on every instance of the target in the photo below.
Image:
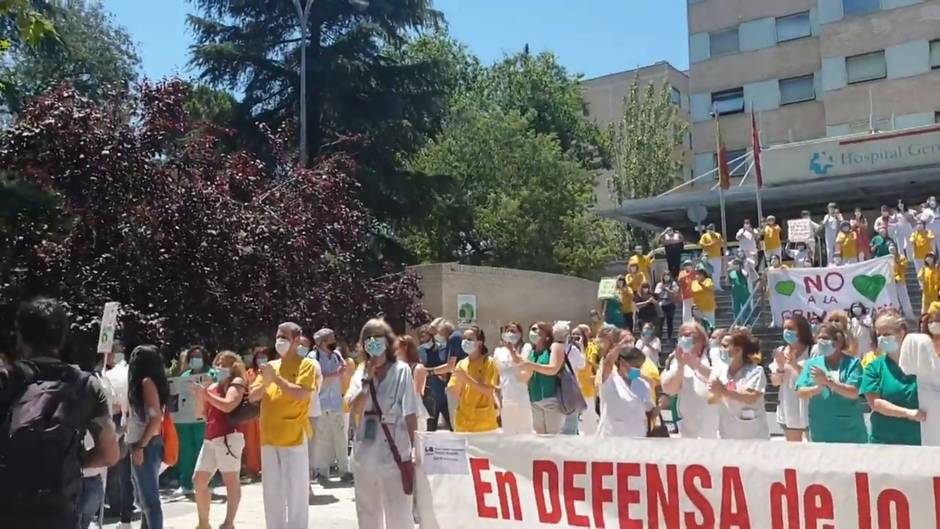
[570, 398]
[407, 468]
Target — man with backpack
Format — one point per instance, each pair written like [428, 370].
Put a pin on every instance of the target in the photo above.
[46, 408]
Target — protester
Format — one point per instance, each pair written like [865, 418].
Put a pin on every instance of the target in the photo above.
[922, 245]
[686, 278]
[747, 238]
[626, 302]
[383, 401]
[703, 292]
[815, 228]
[688, 376]
[406, 350]
[314, 411]
[148, 393]
[473, 385]
[438, 365]
[860, 226]
[673, 244]
[545, 361]
[41, 473]
[919, 358]
[646, 306]
[740, 292]
[222, 449]
[900, 278]
[861, 329]
[635, 278]
[119, 493]
[880, 242]
[625, 396]
[668, 293]
[515, 408]
[847, 244]
[831, 223]
[93, 486]
[713, 245]
[331, 441]
[195, 361]
[738, 390]
[830, 383]
[800, 255]
[449, 340]
[649, 343]
[284, 390]
[775, 263]
[251, 455]
[772, 239]
[719, 346]
[929, 278]
[891, 393]
[787, 365]
[588, 419]
[643, 262]
[905, 230]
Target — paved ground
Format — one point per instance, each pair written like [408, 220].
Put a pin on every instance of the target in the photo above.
[330, 508]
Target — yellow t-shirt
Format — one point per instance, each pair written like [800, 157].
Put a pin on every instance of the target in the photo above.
[923, 243]
[929, 277]
[476, 412]
[643, 263]
[586, 375]
[900, 268]
[711, 244]
[650, 372]
[636, 281]
[848, 241]
[869, 357]
[771, 237]
[626, 300]
[703, 293]
[284, 419]
[934, 308]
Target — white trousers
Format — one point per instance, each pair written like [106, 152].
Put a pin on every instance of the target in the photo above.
[285, 486]
[716, 263]
[589, 419]
[331, 443]
[516, 418]
[380, 501]
[687, 310]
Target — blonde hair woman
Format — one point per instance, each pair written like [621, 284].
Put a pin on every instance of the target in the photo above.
[222, 449]
[383, 399]
[688, 375]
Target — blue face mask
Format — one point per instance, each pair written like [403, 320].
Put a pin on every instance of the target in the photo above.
[790, 336]
[375, 346]
[888, 344]
[222, 373]
[195, 363]
[724, 354]
[686, 343]
[633, 373]
[302, 350]
[825, 347]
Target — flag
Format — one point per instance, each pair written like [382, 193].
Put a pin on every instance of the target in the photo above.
[724, 174]
[755, 137]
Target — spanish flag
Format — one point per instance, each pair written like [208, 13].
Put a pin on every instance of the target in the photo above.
[724, 174]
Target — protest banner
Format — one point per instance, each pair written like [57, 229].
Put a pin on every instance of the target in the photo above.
[818, 291]
[607, 289]
[800, 230]
[494, 481]
[466, 310]
[108, 327]
[182, 403]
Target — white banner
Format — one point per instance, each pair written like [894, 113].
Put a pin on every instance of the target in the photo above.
[817, 291]
[495, 481]
[800, 230]
[108, 327]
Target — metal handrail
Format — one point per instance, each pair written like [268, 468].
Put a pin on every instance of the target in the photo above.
[758, 291]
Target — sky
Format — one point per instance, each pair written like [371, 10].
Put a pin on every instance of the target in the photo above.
[590, 37]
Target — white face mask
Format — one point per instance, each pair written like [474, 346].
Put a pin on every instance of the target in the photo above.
[468, 346]
[282, 345]
[511, 338]
[533, 337]
[934, 327]
[118, 358]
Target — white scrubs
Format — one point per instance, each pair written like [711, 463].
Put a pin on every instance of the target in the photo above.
[623, 407]
[792, 411]
[515, 409]
[699, 419]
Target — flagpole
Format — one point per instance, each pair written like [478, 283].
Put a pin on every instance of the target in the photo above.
[724, 219]
[758, 169]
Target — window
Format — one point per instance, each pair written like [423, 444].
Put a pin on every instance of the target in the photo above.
[676, 97]
[860, 7]
[737, 168]
[728, 102]
[723, 42]
[936, 117]
[793, 27]
[866, 67]
[935, 54]
[797, 89]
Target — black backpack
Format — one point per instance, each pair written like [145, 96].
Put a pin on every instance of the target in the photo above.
[41, 433]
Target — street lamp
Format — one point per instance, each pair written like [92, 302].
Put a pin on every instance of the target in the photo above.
[303, 14]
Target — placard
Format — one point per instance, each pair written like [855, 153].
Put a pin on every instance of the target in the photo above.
[607, 289]
[108, 327]
[182, 402]
[466, 309]
[800, 230]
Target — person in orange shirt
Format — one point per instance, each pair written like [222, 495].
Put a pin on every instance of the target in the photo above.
[713, 244]
[771, 235]
[686, 277]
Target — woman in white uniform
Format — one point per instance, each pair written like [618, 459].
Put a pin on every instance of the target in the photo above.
[831, 223]
[688, 375]
[919, 357]
[625, 395]
[792, 411]
[515, 408]
[738, 391]
[382, 396]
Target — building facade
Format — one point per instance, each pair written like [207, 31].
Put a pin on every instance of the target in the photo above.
[811, 68]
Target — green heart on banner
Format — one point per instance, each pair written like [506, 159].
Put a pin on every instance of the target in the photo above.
[869, 286]
[787, 288]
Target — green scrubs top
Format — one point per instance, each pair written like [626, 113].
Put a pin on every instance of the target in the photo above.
[885, 378]
[541, 386]
[832, 417]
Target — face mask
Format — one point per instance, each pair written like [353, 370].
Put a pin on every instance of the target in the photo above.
[195, 363]
[262, 362]
[533, 337]
[468, 346]
[595, 318]
[222, 373]
[888, 344]
[814, 327]
[724, 354]
[282, 345]
[686, 343]
[633, 374]
[857, 311]
[666, 279]
[440, 340]
[713, 343]
[934, 327]
[790, 336]
[302, 350]
[376, 346]
[118, 358]
[428, 344]
[825, 347]
[511, 338]
[647, 333]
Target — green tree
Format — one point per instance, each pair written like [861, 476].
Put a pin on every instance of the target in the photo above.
[91, 53]
[21, 22]
[359, 85]
[520, 202]
[646, 144]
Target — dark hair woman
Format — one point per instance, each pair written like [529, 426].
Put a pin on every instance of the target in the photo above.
[148, 392]
[785, 369]
[474, 384]
[741, 390]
